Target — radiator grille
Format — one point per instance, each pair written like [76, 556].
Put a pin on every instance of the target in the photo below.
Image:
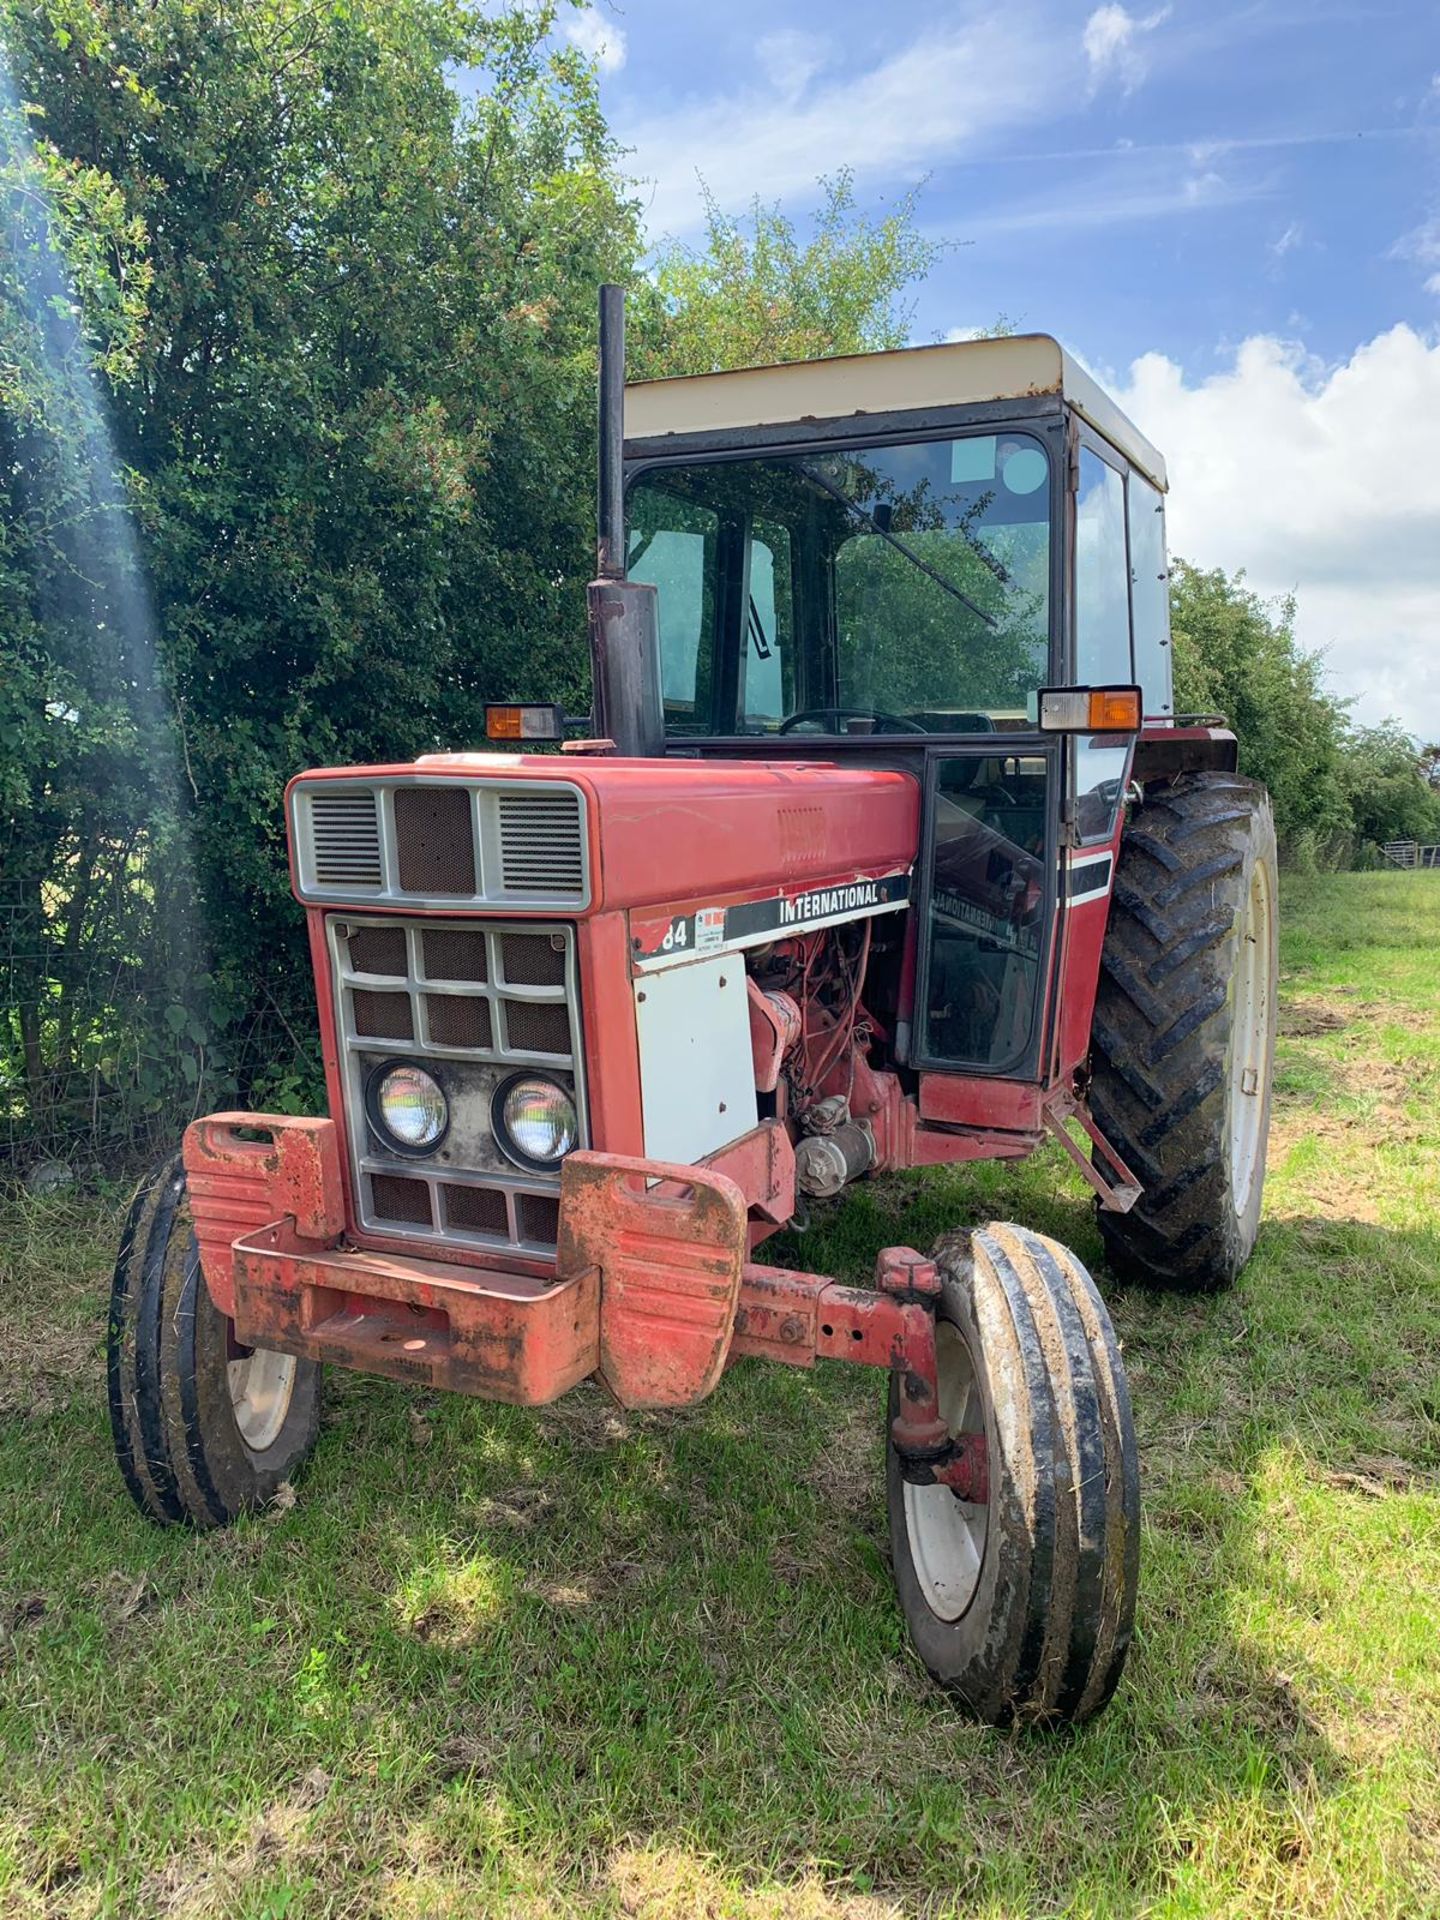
[457, 1020]
[476, 1210]
[457, 953]
[533, 1027]
[383, 1016]
[542, 843]
[532, 960]
[345, 837]
[396, 1198]
[379, 950]
[435, 841]
[447, 844]
[475, 1004]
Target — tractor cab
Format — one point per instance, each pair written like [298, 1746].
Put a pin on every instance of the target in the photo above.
[887, 559]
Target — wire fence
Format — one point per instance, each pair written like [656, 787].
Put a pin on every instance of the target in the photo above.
[110, 1038]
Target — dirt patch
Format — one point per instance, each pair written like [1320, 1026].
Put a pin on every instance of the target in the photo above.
[1303, 1019]
[667, 1884]
[1380, 1474]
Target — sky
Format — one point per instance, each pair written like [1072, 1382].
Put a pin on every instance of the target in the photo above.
[1229, 210]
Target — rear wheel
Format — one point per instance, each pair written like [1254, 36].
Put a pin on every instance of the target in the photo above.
[204, 1428]
[1022, 1606]
[1183, 1042]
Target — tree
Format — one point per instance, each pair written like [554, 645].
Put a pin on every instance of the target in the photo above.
[757, 294]
[1390, 796]
[1237, 654]
[352, 402]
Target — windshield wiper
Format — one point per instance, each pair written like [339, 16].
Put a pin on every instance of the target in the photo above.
[851, 506]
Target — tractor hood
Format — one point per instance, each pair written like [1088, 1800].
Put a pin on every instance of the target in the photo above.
[482, 832]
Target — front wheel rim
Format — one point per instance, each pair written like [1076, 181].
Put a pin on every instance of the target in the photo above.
[946, 1535]
[1252, 1012]
[262, 1385]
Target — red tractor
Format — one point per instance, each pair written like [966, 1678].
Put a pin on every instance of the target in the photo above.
[889, 852]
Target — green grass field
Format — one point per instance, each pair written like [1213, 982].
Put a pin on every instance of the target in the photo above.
[494, 1662]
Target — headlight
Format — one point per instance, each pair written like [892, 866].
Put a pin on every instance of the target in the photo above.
[407, 1108]
[535, 1120]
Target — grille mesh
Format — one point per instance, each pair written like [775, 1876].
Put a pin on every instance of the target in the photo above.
[476, 1210]
[537, 1027]
[457, 1020]
[345, 840]
[383, 1016]
[529, 960]
[542, 844]
[539, 1219]
[395, 1198]
[378, 950]
[436, 841]
[453, 953]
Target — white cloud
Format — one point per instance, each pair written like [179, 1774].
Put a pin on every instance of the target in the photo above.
[949, 91]
[1319, 481]
[1422, 245]
[791, 58]
[1288, 240]
[1112, 43]
[598, 38]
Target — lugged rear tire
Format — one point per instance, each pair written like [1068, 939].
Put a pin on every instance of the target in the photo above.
[1183, 1041]
[1030, 1622]
[203, 1430]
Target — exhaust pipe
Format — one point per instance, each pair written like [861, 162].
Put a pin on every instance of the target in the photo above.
[624, 624]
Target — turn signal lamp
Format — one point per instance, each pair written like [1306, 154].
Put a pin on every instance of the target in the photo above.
[524, 723]
[1090, 710]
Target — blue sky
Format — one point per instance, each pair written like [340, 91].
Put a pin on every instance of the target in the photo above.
[1229, 209]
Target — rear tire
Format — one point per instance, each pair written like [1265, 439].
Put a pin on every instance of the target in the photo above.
[1022, 1608]
[1183, 1040]
[203, 1429]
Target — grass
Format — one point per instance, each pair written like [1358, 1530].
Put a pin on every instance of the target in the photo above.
[494, 1662]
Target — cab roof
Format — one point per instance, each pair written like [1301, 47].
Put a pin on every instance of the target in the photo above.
[856, 385]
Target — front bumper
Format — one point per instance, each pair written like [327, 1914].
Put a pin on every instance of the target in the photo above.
[644, 1292]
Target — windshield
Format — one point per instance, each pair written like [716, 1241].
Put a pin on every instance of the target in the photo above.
[895, 589]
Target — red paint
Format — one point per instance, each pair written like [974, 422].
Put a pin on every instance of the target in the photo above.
[669, 1259]
[719, 823]
[235, 1185]
[500, 1335]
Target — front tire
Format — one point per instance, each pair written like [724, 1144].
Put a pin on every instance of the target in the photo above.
[1022, 1608]
[204, 1429]
[1183, 1047]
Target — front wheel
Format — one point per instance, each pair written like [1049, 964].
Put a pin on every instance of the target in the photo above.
[1022, 1606]
[204, 1428]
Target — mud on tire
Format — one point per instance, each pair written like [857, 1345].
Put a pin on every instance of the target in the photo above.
[182, 1394]
[1032, 1620]
[1183, 1038]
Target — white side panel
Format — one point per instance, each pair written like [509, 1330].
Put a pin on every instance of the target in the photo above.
[697, 1074]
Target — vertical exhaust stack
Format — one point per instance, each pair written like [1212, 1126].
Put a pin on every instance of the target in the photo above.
[624, 624]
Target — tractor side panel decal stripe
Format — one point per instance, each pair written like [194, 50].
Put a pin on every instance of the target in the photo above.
[671, 940]
[1088, 879]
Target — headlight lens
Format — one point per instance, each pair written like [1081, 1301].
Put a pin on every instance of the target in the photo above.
[410, 1107]
[535, 1120]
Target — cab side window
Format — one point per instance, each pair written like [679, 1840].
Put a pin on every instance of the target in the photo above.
[1102, 636]
[1150, 596]
[675, 552]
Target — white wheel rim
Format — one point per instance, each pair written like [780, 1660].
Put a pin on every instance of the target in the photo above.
[1252, 1012]
[947, 1535]
[261, 1386]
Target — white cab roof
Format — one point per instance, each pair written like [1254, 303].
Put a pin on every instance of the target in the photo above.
[853, 386]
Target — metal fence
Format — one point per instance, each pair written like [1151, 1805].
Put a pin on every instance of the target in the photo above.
[1410, 853]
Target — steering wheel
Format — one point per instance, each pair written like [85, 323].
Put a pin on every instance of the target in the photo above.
[884, 722]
